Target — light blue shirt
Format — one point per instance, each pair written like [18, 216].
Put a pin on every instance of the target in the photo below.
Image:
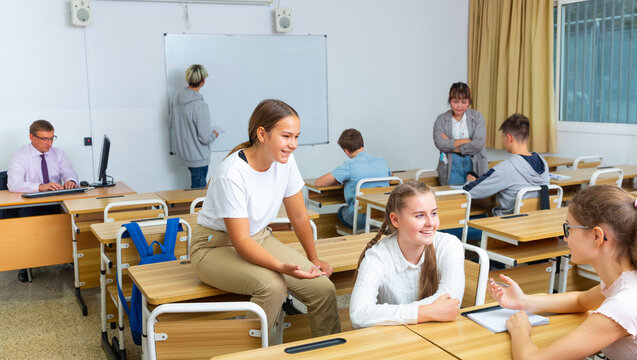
[363, 166]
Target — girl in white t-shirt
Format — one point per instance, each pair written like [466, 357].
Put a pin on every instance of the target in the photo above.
[600, 229]
[234, 250]
[414, 275]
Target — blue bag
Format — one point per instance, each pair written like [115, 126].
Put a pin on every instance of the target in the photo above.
[146, 254]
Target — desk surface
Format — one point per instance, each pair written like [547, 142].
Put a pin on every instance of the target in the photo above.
[380, 342]
[14, 199]
[181, 196]
[466, 339]
[552, 161]
[97, 204]
[172, 281]
[533, 226]
[582, 176]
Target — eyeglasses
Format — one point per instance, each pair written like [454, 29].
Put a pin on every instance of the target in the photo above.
[46, 139]
[566, 226]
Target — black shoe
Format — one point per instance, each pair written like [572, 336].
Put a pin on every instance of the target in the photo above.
[23, 276]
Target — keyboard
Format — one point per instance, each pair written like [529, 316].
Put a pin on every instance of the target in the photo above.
[55, 192]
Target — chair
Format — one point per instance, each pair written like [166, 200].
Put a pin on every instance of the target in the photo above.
[199, 339]
[428, 176]
[476, 277]
[369, 189]
[584, 161]
[126, 255]
[525, 203]
[195, 203]
[454, 207]
[599, 177]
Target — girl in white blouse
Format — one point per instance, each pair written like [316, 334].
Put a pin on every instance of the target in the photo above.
[414, 275]
[600, 229]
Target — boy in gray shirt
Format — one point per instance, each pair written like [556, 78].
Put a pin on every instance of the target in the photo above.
[521, 170]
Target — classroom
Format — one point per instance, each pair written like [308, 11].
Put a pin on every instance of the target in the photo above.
[389, 67]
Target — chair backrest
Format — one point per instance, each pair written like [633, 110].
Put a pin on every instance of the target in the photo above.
[135, 210]
[613, 176]
[476, 276]
[370, 190]
[454, 207]
[587, 161]
[528, 198]
[287, 221]
[427, 176]
[195, 203]
[203, 339]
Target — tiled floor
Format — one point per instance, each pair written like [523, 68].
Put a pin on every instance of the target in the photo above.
[42, 319]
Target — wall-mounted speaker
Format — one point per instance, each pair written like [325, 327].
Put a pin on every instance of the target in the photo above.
[283, 19]
[81, 12]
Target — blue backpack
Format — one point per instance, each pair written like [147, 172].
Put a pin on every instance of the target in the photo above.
[146, 254]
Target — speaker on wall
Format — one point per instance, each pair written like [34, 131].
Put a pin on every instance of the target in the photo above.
[283, 19]
[81, 12]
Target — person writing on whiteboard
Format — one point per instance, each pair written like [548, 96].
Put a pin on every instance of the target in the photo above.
[233, 248]
[189, 123]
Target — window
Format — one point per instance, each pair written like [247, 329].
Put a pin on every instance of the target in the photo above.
[596, 61]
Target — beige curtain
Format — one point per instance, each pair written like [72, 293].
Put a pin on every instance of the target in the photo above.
[511, 66]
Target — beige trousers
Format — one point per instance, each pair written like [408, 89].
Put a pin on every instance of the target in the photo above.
[218, 264]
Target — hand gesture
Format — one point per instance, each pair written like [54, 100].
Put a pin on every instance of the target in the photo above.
[295, 271]
[445, 308]
[323, 266]
[70, 184]
[49, 186]
[470, 177]
[519, 322]
[511, 297]
[444, 136]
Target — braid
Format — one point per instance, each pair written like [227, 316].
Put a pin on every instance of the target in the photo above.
[372, 242]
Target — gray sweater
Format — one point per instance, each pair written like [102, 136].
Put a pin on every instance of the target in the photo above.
[190, 128]
[507, 178]
[477, 134]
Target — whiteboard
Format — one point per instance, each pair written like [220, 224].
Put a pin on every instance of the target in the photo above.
[245, 69]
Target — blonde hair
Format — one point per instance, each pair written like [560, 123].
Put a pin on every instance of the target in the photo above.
[195, 75]
[429, 280]
[266, 115]
[614, 207]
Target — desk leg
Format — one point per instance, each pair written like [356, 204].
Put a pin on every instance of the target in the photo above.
[76, 267]
[368, 217]
[564, 267]
[552, 278]
[483, 240]
[145, 316]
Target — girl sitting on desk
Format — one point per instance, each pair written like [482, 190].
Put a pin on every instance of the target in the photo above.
[414, 275]
[233, 248]
[601, 231]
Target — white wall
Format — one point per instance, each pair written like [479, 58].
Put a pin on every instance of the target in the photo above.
[389, 69]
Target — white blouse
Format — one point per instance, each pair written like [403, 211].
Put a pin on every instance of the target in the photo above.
[386, 289]
[620, 307]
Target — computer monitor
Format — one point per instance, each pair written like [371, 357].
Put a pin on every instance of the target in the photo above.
[101, 176]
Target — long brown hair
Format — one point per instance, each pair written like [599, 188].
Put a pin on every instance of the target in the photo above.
[429, 280]
[613, 207]
[265, 115]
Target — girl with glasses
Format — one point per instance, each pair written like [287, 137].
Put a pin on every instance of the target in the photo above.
[601, 231]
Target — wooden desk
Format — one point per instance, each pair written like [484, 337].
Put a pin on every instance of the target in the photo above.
[466, 339]
[583, 176]
[179, 201]
[379, 342]
[41, 240]
[534, 236]
[552, 161]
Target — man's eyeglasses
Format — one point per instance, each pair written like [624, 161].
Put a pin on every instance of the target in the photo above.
[566, 226]
[46, 139]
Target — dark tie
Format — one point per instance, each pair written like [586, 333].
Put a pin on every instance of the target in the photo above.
[45, 171]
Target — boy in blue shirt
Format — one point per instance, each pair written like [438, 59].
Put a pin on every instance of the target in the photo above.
[360, 165]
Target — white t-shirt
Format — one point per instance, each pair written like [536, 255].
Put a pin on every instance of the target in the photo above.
[386, 289]
[460, 130]
[619, 306]
[238, 191]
